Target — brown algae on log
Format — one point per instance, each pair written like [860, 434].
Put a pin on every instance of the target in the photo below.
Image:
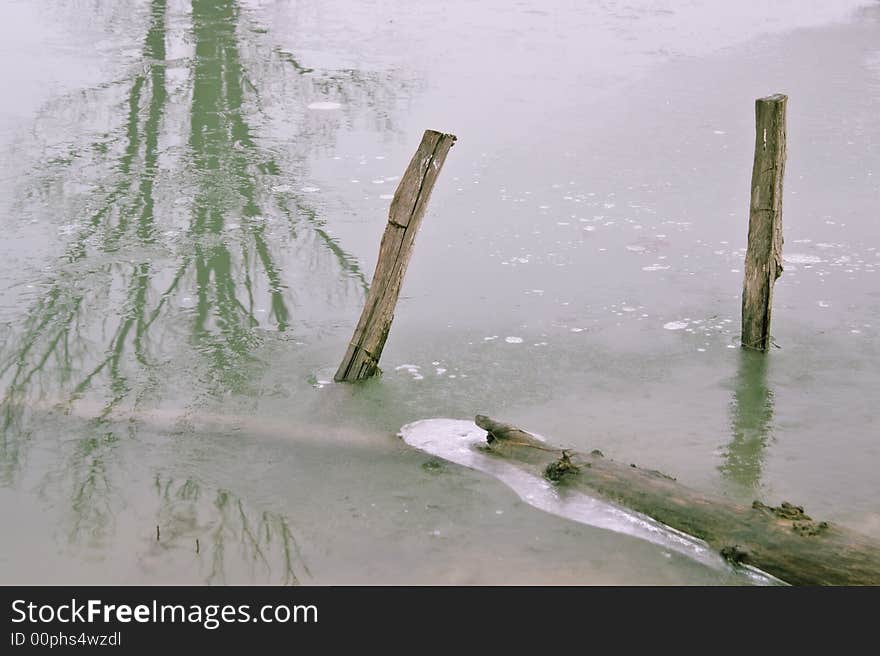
[801, 523]
[557, 469]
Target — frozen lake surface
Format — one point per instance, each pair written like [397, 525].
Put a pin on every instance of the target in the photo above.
[193, 195]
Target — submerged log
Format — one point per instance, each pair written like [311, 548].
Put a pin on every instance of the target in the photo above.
[782, 541]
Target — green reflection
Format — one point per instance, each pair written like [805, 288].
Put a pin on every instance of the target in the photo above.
[751, 421]
[223, 153]
[231, 535]
[52, 346]
[158, 297]
[67, 346]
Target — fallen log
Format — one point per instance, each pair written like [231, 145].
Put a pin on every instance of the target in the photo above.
[782, 541]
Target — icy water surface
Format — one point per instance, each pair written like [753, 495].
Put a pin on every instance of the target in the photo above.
[192, 198]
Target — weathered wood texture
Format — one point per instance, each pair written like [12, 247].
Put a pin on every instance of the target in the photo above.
[763, 263]
[407, 209]
[782, 541]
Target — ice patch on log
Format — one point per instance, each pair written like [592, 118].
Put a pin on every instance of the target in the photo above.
[461, 441]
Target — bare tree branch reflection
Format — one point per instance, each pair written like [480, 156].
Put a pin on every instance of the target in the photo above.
[184, 254]
[235, 536]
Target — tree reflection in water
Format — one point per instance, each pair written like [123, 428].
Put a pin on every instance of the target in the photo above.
[182, 239]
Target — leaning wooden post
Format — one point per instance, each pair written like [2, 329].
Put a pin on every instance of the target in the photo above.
[407, 209]
[764, 251]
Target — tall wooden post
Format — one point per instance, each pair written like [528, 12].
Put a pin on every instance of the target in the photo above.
[407, 209]
[764, 251]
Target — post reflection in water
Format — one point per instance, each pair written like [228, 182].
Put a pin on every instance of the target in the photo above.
[751, 421]
[187, 258]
